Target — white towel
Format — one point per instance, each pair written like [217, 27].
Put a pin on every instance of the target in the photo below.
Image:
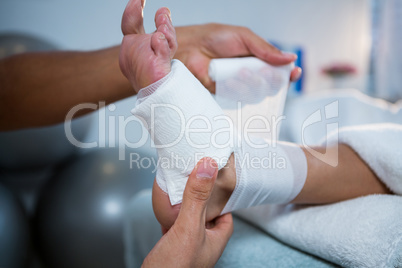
[380, 146]
[363, 232]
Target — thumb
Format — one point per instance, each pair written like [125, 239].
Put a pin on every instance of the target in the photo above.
[197, 192]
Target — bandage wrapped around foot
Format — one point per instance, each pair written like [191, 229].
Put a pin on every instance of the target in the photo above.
[186, 124]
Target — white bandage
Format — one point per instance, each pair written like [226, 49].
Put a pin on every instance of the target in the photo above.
[186, 124]
[267, 173]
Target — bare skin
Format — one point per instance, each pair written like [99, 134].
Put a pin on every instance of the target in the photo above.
[350, 179]
[46, 86]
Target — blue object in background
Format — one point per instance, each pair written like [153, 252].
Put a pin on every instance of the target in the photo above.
[296, 88]
[298, 85]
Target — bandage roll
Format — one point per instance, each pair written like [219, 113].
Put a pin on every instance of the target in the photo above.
[252, 93]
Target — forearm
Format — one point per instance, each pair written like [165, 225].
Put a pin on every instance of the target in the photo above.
[350, 179]
[38, 89]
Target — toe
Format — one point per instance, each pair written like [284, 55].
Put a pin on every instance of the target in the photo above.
[163, 19]
[132, 21]
[160, 46]
[164, 25]
[162, 11]
[170, 37]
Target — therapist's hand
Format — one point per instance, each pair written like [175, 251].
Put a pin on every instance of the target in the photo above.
[189, 243]
[199, 44]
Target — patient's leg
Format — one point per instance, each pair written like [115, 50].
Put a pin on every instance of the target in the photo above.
[351, 178]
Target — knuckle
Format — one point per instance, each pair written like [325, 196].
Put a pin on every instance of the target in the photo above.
[201, 194]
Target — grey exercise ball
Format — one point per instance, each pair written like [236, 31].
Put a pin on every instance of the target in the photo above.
[79, 219]
[35, 147]
[14, 232]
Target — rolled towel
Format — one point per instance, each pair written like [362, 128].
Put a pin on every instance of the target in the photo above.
[380, 146]
[362, 232]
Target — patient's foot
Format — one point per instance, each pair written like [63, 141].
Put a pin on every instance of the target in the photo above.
[145, 58]
[224, 187]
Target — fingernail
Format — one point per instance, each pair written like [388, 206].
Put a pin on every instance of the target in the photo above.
[162, 36]
[299, 73]
[206, 169]
[289, 55]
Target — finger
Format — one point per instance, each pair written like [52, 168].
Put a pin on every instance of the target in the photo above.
[223, 222]
[208, 83]
[222, 231]
[198, 65]
[262, 49]
[164, 230]
[295, 74]
[132, 21]
[197, 192]
[211, 86]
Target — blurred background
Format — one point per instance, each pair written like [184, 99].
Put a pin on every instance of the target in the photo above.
[341, 44]
[328, 32]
